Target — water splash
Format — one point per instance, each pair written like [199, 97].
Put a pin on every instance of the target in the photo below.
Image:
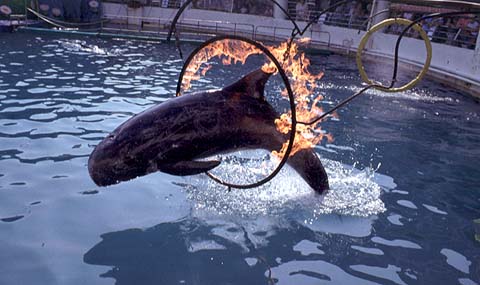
[353, 192]
[421, 95]
[79, 46]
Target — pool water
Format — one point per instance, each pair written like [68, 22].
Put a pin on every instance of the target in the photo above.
[403, 170]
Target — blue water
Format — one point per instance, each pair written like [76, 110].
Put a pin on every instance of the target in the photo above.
[403, 169]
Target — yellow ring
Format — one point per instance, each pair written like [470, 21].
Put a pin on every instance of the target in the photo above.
[388, 22]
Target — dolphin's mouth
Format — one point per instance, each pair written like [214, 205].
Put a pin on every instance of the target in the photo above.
[101, 177]
[105, 177]
[110, 172]
[105, 170]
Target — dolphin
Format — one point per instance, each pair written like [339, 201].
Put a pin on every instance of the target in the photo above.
[173, 136]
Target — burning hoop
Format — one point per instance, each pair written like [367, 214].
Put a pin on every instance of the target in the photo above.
[284, 76]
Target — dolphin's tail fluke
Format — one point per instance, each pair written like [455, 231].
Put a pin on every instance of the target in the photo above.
[309, 166]
[305, 161]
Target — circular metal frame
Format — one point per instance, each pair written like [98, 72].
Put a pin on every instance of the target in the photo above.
[291, 98]
[388, 22]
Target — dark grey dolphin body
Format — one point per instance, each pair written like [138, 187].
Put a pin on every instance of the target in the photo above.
[171, 136]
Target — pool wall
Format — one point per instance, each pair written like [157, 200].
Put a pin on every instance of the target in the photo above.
[458, 67]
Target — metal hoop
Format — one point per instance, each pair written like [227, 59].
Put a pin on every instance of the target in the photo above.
[388, 22]
[291, 98]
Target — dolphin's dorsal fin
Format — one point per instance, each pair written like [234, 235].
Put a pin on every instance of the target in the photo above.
[252, 84]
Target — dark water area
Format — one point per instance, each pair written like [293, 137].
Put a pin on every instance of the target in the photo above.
[403, 169]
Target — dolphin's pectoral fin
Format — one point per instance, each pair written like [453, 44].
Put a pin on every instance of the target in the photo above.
[184, 168]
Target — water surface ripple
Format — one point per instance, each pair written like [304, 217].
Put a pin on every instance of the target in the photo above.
[403, 168]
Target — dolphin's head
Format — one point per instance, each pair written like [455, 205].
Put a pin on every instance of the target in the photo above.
[115, 159]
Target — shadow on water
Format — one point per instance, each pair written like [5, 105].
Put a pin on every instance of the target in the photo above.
[190, 251]
[167, 254]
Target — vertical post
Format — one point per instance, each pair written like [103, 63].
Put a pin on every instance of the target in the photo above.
[476, 57]
[277, 12]
[477, 46]
[378, 6]
[26, 11]
[37, 7]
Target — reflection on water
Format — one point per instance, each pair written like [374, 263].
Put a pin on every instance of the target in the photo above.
[191, 251]
[403, 170]
[168, 254]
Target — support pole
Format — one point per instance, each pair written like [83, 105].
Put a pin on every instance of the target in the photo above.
[378, 6]
[277, 12]
[476, 56]
[477, 47]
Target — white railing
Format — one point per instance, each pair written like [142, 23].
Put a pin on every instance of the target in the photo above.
[149, 24]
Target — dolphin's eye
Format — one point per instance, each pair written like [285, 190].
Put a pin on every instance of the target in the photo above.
[111, 136]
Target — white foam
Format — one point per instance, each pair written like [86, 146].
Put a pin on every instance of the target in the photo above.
[353, 192]
[82, 48]
[204, 245]
[413, 94]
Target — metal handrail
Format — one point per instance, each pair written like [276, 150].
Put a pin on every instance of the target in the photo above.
[217, 26]
[459, 38]
[222, 27]
[346, 20]
[320, 32]
[286, 36]
[275, 29]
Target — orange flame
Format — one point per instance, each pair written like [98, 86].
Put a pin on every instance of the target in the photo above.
[228, 50]
[302, 81]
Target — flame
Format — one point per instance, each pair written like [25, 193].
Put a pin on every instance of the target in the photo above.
[229, 51]
[303, 83]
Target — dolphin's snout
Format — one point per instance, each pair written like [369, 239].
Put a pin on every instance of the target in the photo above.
[110, 163]
[99, 165]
